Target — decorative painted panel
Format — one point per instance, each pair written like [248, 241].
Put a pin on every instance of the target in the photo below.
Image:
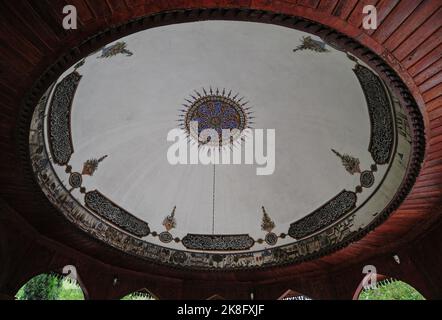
[337, 207]
[104, 207]
[379, 110]
[59, 128]
[219, 242]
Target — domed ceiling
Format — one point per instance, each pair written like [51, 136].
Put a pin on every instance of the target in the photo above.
[335, 149]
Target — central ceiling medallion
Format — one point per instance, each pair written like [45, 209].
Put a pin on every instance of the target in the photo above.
[223, 112]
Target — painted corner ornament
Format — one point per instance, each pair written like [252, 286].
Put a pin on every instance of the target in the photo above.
[267, 223]
[91, 165]
[113, 50]
[169, 222]
[310, 44]
[351, 164]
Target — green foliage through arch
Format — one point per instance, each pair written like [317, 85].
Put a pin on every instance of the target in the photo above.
[50, 286]
[390, 289]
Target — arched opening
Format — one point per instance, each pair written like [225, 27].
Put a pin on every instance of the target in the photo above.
[142, 294]
[386, 288]
[216, 297]
[50, 286]
[391, 289]
[293, 295]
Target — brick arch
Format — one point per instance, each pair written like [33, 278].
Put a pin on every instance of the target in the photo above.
[408, 39]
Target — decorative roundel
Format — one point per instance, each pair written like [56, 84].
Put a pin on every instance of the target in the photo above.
[165, 237]
[215, 110]
[367, 179]
[179, 257]
[75, 180]
[271, 239]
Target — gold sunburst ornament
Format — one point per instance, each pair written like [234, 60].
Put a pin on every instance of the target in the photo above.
[219, 110]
